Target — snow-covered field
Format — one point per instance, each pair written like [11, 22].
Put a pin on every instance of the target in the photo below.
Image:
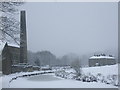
[52, 81]
[104, 70]
[104, 74]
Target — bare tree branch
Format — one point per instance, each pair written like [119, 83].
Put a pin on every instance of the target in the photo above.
[9, 26]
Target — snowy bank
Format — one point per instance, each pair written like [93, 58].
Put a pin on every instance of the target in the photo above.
[7, 79]
[61, 83]
[103, 74]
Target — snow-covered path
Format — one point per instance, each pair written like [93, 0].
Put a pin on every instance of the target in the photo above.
[51, 81]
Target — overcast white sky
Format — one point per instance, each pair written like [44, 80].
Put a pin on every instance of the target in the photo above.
[72, 27]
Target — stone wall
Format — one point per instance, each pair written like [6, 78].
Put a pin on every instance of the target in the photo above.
[101, 62]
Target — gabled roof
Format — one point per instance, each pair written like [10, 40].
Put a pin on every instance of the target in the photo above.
[2, 45]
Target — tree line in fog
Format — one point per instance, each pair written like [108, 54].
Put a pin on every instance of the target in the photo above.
[42, 58]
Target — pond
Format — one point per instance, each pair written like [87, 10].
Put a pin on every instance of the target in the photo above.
[45, 77]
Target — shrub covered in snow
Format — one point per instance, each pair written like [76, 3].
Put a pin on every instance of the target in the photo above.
[90, 76]
[64, 74]
[76, 66]
[110, 79]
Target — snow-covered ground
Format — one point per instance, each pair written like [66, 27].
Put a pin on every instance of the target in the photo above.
[105, 74]
[104, 70]
[6, 79]
[55, 83]
[52, 81]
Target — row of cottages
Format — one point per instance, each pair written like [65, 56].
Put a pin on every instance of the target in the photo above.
[101, 60]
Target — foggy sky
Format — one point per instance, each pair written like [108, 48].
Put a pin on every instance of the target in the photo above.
[72, 27]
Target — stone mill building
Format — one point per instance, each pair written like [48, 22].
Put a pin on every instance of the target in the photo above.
[14, 57]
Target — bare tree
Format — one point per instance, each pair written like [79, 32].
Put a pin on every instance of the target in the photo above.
[9, 7]
[9, 26]
[37, 62]
[76, 66]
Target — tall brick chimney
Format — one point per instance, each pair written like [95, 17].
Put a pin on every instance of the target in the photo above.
[23, 38]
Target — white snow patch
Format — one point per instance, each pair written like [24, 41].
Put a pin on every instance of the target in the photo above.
[104, 70]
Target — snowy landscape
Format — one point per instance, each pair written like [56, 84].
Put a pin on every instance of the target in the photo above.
[63, 77]
[59, 45]
[40, 79]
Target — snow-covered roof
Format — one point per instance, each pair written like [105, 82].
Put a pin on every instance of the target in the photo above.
[101, 57]
[2, 44]
[13, 45]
